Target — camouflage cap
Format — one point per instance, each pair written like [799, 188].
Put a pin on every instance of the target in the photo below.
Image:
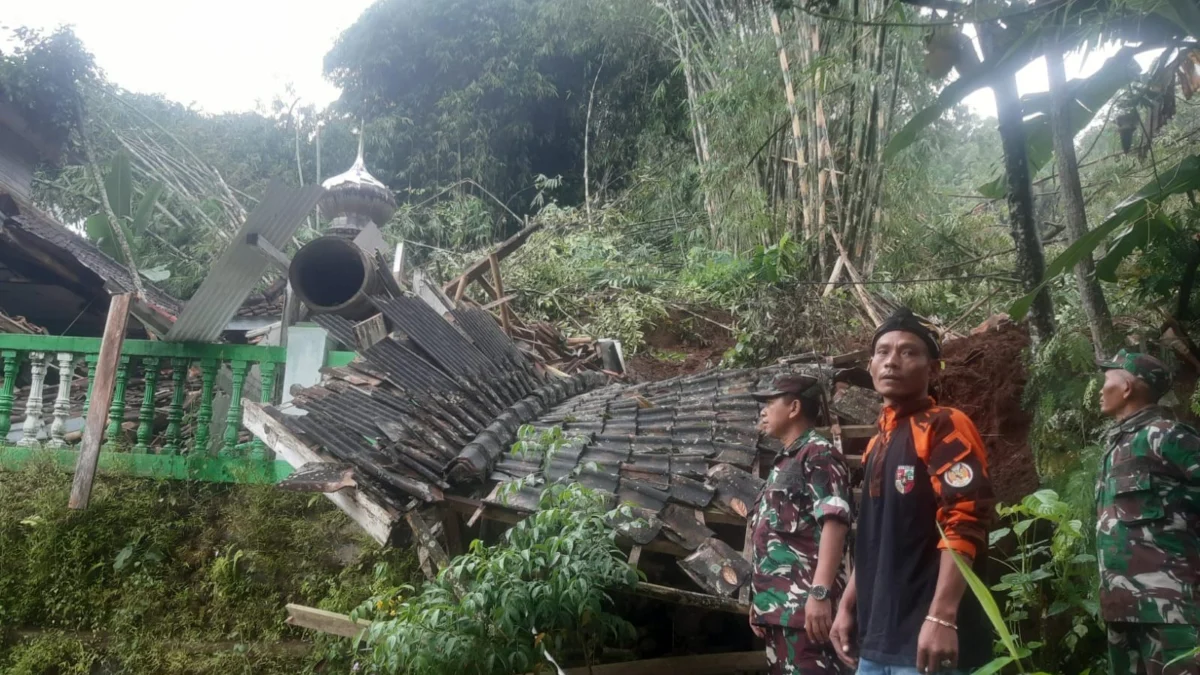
[1142, 366]
[803, 386]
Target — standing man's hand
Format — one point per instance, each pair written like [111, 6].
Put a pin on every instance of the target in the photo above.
[818, 619]
[757, 629]
[937, 648]
[842, 634]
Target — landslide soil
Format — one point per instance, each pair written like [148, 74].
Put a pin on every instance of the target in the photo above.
[985, 377]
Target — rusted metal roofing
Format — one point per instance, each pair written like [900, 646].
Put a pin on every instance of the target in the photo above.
[26, 219]
[232, 279]
[436, 406]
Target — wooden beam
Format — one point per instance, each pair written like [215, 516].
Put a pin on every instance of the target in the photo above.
[369, 332]
[501, 252]
[715, 603]
[325, 622]
[427, 544]
[498, 290]
[496, 303]
[452, 527]
[460, 290]
[695, 664]
[278, 259]
[107, 365]
[851, 357]
[376, 519]
[852, 430]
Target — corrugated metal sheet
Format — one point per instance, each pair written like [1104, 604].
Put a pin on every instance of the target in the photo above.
[232, 279]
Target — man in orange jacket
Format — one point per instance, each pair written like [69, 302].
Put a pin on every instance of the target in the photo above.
[905, 610]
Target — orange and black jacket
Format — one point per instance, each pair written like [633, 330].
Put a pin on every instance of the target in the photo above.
[925, 468]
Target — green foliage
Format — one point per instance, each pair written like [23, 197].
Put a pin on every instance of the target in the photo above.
[1087, 98]
[1141, 214]
[1063, 393]
[41, 77]
[1051, 580]
[499, 609]
[176, 577]
[118, 184]
[498, 91]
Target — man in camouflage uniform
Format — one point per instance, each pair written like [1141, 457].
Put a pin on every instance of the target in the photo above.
[799, 534]
[1148, 524]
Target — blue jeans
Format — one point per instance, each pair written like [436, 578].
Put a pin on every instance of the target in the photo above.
[866, 667]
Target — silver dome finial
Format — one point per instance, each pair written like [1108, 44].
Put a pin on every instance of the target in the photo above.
[356, 197]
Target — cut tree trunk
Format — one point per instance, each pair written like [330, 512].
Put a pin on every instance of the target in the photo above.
[1090, 294]
[1031, 260]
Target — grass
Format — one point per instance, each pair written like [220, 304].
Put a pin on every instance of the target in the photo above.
[175, 577]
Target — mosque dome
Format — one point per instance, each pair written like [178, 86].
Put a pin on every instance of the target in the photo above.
[355, 198]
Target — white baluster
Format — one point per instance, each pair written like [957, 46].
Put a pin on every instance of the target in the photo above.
[33, 407]
[62, 402]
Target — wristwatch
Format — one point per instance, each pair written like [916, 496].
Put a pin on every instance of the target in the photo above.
[818, 592]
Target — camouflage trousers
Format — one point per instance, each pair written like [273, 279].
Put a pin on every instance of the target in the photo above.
[1147, 648]
[789, 652]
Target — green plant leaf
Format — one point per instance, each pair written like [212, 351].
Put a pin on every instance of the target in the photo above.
[141, 219]
[1178, 179]
[119, 186]
[156, 274]
[995, 665]
[1088, 97]
[1016, 57]
[984, 596]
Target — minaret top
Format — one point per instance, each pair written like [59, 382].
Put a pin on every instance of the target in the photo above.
[354, 198]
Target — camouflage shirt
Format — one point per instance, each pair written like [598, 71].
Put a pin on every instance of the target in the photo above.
[1148, 521]
[808, 483]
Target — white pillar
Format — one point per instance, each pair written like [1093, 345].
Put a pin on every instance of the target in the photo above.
[33, 407]
[62, 402]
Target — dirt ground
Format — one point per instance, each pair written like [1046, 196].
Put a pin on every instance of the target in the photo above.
[681, 344]
[985, 377]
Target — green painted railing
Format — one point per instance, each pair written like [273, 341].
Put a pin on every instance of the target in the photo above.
[155, 450]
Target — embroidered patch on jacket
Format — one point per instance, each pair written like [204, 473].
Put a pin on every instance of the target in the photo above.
[905, 478]
[959, 476]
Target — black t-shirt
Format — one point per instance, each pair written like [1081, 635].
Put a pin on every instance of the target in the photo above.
[924, 468]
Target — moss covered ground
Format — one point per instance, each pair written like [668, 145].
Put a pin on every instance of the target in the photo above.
[176, 577]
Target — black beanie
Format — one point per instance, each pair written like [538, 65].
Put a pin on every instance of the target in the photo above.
[904, 319]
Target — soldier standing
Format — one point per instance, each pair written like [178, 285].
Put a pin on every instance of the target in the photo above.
[1148, 523]
[799, 533]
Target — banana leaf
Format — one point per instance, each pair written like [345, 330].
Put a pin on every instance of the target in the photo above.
[1138, 207]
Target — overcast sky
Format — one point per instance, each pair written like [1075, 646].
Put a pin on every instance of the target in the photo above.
[229, 55]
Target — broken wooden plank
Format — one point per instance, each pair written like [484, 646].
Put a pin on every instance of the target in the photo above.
[498, 290]
[850, 357]
[103, 385]
[715, 603]
[496, 303]
[452, 526]
[696, 664]
[325, 622]
[370, 331]
[635, 555]
[376, 519]
[501, 252]
[427, 544]
[851, 431]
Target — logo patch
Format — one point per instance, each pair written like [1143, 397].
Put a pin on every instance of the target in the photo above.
[959, 476]
[905, 478]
